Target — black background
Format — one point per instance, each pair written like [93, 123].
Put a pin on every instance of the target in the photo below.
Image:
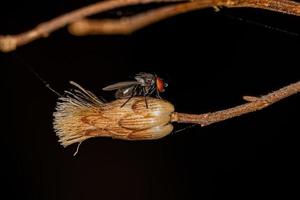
[210, 60]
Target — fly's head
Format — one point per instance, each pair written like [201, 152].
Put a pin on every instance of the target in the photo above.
[160, 84]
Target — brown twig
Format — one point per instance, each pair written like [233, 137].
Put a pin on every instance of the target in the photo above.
[11, 42]
[127, 25]
[283, 6]
[256, 103]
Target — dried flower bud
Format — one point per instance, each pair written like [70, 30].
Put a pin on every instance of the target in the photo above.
[81, 115]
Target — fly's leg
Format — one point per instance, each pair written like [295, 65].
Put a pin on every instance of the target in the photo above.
[132, 95]
[145, 96]
[151, 90]
[157, 94]
[145, 93]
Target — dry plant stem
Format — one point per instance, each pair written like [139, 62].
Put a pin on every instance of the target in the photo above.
[283, 6]
[128, 25]
[11, 42]
[256, 103]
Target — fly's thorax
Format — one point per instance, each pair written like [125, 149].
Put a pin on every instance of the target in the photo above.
[145, 79]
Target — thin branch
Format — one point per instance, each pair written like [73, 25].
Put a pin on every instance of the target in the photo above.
[127, 25]
[11, 42]
[283, 6]
[256, 103]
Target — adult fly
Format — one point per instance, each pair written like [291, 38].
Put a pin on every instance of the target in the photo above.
[145, 84]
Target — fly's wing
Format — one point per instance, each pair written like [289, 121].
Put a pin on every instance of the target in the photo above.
[124, 93]
[120, 85]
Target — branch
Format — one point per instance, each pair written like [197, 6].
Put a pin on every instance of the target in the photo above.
[256, 103]
[127, 25]
[283, 6]
[11, 42]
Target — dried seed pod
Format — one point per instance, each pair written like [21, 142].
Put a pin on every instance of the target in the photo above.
[81, 115]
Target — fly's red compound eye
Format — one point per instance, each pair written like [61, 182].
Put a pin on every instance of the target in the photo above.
[160, 84]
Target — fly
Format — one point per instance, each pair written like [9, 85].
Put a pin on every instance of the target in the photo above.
[145, 84]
